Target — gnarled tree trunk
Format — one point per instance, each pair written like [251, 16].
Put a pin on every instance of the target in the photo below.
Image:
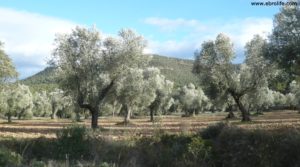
[54, 111]
[230, 112]
[95, 114]
[128, 114]
[151, 115]
[9, 117]
[94, 109]
[245, 113]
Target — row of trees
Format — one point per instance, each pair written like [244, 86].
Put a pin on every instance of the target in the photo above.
[18, 101]
[123, 76]
[137, 88]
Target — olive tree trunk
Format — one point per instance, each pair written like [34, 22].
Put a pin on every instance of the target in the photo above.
[127, 114]
[95, 114]
[9, 117]
[230, 112]
[151, 115]
[245, 113]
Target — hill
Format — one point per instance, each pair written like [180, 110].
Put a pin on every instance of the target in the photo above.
[175, 69]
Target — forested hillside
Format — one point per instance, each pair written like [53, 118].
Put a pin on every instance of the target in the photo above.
[43, 80]
[175, 69]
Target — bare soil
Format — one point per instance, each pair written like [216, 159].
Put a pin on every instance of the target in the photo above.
[111, 127]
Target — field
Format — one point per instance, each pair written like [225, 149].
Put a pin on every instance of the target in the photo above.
[143, 127]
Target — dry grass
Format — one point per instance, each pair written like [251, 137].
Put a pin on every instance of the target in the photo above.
[143, 127]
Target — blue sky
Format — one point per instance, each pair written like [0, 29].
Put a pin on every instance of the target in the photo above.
[172, 27]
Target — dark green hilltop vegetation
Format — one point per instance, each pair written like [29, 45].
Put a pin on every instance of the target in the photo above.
[43, 80]
[175, 69]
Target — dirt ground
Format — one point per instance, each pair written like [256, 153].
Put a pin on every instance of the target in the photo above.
[111, 128]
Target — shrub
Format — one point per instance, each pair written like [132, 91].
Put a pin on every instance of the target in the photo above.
[41, 148]
[72, 142]
[174, 150]
[35, 163]
[198, 153]
[9, 158]
[240, 147]
[213, 131]
[105, 164]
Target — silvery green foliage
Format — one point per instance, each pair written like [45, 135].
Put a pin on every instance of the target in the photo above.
[291, 100]
[3, 101]
[295, 91]
[259, 100]
[284, 42]
[279, 99]
[130, 87]
[59, 101]
[129, 90]
[89, 64]
[7, 68]
[137, 88]
[77, 56]
[159, 89]
[16, 100]
[214, 66]
[42, 104]
[192, 99]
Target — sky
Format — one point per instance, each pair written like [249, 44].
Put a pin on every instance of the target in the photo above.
[174, 28]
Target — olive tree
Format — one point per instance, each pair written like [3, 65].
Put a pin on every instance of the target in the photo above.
[24, 101]
[259, 100]
[279, 99]
[59, 101]
[7, 73]
[192, 99]
[284, 45]
[160, 88]
[137, 89]
[16, 101]
[41, 104]
[89, 64]
[295, 91]
[129, 89]
[214, 66]
[7, 68]
[291, 101]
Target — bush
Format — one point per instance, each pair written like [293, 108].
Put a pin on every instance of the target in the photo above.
[225, 146]
[9, 158]
[174, 151]
[213, 131]
[240, 147]
[35, 163]
[105, 164]
[72, 142]
[41, 148]
[198, 153]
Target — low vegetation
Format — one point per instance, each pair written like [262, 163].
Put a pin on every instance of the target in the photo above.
[218, 145]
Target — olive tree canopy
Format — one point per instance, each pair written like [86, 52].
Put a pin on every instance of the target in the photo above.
[214, 66]
[7, 68]
[89, 64]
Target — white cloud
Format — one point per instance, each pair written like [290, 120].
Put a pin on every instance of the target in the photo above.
[172, 48]
[239, 30]
[173, 24]
[28, 38]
